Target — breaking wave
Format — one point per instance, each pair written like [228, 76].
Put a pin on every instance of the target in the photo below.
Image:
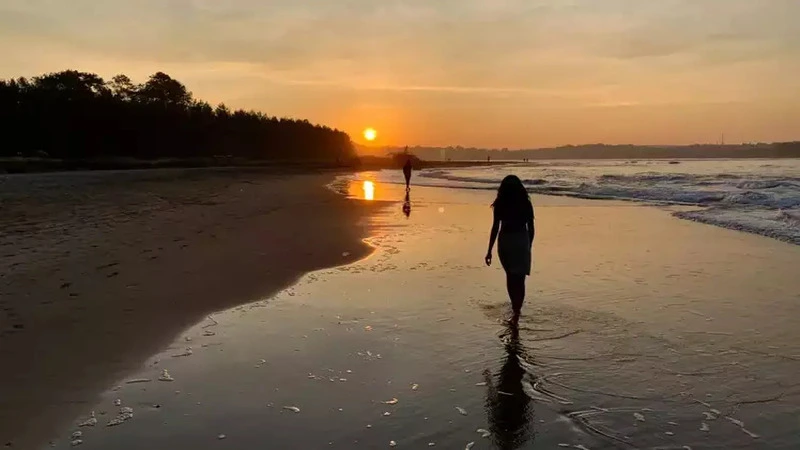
[745, 195]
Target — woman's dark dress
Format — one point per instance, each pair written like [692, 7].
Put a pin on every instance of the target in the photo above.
[513, 242]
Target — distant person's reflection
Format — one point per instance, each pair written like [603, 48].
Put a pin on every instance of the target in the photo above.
[509, 409]
[407, 203]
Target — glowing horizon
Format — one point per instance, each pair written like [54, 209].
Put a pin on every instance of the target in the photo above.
[483, 73]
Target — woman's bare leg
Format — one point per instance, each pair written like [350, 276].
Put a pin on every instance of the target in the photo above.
[515, 284]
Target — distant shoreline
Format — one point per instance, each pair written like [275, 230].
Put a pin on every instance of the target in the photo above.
[603, 151]
[26, 165]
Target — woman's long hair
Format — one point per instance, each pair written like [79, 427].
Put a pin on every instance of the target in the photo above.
[511, 195]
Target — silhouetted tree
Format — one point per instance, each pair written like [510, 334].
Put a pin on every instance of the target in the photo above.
[74, 115]
[122, 88]
[164, 90]
[71, 85]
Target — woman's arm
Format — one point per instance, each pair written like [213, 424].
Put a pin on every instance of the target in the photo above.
[492, 236]
[531, 227]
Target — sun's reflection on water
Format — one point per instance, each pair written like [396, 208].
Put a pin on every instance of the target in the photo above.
[369, 190]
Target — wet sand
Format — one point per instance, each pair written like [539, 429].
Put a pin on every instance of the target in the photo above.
[101, 270]
[640, 331]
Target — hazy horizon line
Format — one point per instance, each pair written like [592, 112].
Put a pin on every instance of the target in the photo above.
[462, 147]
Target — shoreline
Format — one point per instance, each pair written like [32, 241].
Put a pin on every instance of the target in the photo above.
[91, 291]
[34, 165]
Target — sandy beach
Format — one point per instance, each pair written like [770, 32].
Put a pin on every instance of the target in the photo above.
[235, 225]
[640, 330]
[100, 270]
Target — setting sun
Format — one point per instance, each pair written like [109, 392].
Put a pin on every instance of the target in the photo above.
[370, 134]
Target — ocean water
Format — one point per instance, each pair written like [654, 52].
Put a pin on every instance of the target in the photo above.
[757, 196]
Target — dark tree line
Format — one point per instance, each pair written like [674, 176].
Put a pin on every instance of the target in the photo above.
[77, 115]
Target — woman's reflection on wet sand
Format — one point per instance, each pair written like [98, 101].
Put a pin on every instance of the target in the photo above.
[509, 409]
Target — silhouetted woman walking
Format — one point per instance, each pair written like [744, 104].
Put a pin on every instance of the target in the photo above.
[513, 219]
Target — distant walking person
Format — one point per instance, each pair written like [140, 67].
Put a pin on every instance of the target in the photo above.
[407, 172]
[513, 219]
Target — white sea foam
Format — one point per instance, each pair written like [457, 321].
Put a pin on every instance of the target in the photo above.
[755, 196]
[783, 224]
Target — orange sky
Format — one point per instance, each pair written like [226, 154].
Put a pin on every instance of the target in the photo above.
[493, 73]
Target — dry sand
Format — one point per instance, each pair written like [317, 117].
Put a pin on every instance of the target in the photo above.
[99, 270]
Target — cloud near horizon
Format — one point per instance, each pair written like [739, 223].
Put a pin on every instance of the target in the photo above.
[501, 73]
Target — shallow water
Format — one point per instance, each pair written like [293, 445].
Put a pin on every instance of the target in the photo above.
[640, 331]
[760, 196]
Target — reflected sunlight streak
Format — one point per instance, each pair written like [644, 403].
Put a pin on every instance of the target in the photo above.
[369, 190]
